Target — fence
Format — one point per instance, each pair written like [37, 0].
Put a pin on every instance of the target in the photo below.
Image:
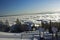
[46, 36]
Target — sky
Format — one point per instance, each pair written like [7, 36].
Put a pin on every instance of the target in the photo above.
[9, 7]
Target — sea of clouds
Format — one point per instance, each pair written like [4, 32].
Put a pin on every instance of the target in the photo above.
[55, 17]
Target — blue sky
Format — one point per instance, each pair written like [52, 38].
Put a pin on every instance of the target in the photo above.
[8, 7]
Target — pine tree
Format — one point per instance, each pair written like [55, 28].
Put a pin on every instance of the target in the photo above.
[1, 22]
[7, 23]
[17, 21]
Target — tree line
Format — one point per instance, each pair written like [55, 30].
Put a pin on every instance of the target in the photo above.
[18, 27]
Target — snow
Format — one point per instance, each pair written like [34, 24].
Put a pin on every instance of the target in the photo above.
[13, 39]
[18, 36]
[30, 34]
[32, 18]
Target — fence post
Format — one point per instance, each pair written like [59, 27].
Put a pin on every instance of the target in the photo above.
[21, 36]
[56, 36]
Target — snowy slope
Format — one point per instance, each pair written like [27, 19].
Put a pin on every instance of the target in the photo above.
[18, 36]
